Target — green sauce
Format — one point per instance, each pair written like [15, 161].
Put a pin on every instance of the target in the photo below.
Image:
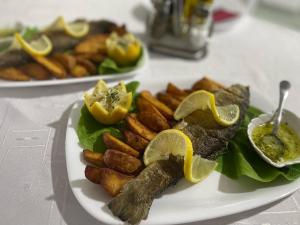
[276, 152]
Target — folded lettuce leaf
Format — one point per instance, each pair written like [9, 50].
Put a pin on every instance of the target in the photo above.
[241, 159]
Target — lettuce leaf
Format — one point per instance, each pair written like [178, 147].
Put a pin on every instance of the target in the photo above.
[90, 131]
[241, 159]
[109, 66]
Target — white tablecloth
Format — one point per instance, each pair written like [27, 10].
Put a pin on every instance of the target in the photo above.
[34, 186]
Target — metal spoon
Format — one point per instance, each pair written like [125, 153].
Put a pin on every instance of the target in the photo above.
[272, 138]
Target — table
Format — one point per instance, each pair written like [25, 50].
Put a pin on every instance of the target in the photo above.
[34, 186]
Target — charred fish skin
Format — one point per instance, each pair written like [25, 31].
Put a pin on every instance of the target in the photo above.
[60, 41]
[133, 203]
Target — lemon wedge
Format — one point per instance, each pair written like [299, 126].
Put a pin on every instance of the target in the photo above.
[204, 100]
[41, 46]
[175, 142]
[75, 29]
[108, 105]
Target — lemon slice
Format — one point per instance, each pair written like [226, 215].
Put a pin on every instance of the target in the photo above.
[175, 142]
[41, 46]
[204, 100]
[76, 29]
[108, 105]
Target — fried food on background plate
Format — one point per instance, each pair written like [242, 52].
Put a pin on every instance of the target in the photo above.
[150, 116]
[54, 67]
[68, 61]
[88, 65]
[92, 44]
[79, 71]
[94, 57]
[112, 142]
[14, 74]
[36, 71]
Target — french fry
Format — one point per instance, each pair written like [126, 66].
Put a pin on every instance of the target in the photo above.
[68, 61]
[169, 100]
[172, 89]
[94, 57]
[36, 71]
[79, 71]
[53, 66]
[113, 181]
[150, 116]
[165, 110]
[207, 84]
[93, 174]
[88, 65]
[94, 158]
[14, 74]
[92, 44]
[112, 142]
[121, 162]
[137, 127]
[136, 141]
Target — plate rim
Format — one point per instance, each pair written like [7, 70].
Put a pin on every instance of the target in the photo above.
[73, 80]
[227, 210]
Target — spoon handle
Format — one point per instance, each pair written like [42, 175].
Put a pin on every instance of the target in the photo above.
[284, 87]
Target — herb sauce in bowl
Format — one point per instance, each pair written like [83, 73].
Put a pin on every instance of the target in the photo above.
[289, 138]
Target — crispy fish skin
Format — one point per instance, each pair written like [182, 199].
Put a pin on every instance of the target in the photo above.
[135, 199]
[133, 203]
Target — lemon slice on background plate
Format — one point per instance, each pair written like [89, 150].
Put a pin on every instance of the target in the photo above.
[175, 142]
[204, 100]
[108, 105]
[41, 46]
[75, 29]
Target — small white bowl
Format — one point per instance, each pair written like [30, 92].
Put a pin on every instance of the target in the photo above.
[288, 117]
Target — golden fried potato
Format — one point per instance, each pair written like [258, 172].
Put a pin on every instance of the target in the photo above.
[207, 84]
[137, 127]
[121, 161]
[161, 107]
[36, 71]
[113, 181]
[55, 68]
[136, 141]
[14, 74]
[79, 71]
[68, 61]
[112, 142]
[88, 65]
[172, 89]
[94, 158]
[92, 44]
[93, 174]
[169, 100]
[150, 116]
[94, 57]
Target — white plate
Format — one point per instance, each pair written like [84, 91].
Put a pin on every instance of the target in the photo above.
[109, 77]
[215, 197]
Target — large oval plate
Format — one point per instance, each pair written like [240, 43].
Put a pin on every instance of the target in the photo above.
[214, 197]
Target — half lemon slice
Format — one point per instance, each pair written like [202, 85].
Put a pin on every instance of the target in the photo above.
[75, 29]
[41, 46]
[203, 100]
[108, 105]
[175, 142]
